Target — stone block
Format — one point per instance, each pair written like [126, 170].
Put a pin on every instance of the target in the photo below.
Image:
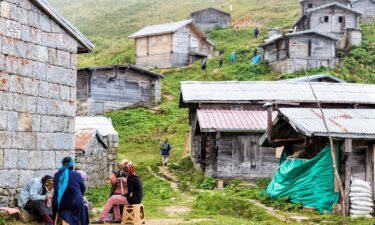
[26, 33]
[2, 26]
[27, 67]
[73, 61]
[63, 58]
[16, 84]
[10, 159]
[45, 23]
[26, 4]
[36, 35]
[44, 106]
[1, 159]
[32, 51]
[43, 89]
[55, 28]
[3, 120]
[20, 49]
[7, 46]
[48, 160]
[29, 141]
[7, 103]
[5, 139]
[73, 94]
[23, 161]
[35, 159]
[30, 86]
[11, 64]
[30, 102]
[52, 56]
[20, 102]
[42, 54]
[25, 176]
[54, 91]
[22, 15]
[5, 9]
[64, 93]
[33, 19]
[24, 122]
[40, 71]
[9, 178]
[13, 29]
[12, 121]
[4, 82]
[45, 124]
[2, 62]
[35, 123]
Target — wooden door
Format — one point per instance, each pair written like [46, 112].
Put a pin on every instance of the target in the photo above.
[98, 107]
[246, 154]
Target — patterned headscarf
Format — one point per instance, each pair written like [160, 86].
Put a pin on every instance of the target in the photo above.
[67, 164]
[128, 166]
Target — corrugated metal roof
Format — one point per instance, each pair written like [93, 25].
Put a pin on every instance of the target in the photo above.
[125, 66]
[345, 123]
[315, 78]
[162, 29]
[47, 8]
[102, 124]
[236, 91]
[310, 32]
[84, 138]
[232, 120]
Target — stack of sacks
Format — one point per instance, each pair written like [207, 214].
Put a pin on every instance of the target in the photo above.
[361, 203]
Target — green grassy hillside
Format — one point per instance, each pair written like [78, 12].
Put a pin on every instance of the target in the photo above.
[108, 23]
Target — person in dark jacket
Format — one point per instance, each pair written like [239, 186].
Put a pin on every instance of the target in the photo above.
[204, 64]
[67, 202]
[256, 32]
[165, 149]
[132, 195]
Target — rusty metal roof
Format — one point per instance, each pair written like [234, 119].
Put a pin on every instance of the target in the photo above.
[85, 136]
[232, 120]
[342, 123]
[280, 92]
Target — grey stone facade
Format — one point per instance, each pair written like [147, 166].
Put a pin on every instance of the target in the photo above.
[37, 95]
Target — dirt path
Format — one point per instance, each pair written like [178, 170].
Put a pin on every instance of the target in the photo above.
[173, 183]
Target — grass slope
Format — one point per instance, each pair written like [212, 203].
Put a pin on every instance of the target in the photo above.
[108, 23]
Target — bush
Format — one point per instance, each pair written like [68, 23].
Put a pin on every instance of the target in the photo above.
[208, 184]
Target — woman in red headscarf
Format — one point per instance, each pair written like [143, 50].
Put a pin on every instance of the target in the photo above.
[126, 189]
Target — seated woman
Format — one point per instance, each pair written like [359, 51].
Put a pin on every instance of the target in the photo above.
[126, 189]
[67, 202]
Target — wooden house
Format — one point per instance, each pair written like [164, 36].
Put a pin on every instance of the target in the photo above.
[211, 18]
[302, 133]
[38, 64]
[367, 8]
[108, 88]
[227, 120]
[174, 44]
[297, 51]
[316, 78]
[310, 4]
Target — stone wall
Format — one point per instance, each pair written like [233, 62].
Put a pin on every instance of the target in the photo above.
[37, 95]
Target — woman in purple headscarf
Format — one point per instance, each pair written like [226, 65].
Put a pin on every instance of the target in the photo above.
[67, 200]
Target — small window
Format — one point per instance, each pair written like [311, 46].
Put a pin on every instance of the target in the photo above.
[326, 19]
[309, 48]
[341, 19]
[310, 6]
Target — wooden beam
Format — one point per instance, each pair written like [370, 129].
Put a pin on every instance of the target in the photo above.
[348, 172]
[373, 163]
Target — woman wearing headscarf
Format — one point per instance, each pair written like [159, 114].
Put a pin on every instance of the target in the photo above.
[67, 200]
[126, 189]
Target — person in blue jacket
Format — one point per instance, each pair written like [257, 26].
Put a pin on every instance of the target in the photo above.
[165, 149]
[67, 202]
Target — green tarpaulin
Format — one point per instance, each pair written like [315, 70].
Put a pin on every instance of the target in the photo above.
[309, 182]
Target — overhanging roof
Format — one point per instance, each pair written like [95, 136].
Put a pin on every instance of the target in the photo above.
[125, 66]
[342, 123]
[278, 92]
[165, 28]
[232, 120]
[85, 136]
[310, 32]
[210, 8]
[316, 78]
[102, 124]
[336, 5]
[47, 8]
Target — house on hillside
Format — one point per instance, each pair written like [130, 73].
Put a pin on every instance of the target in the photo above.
[211, 18]
[367, 8]
[310, 4]
[174, 44]
[297, 51]
[96, 138]
[302, 134]
[332, 19]
[108, 88]
[37, 91]
[227, 120]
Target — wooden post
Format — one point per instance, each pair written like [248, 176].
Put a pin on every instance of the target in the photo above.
[373, 164]
[348, 173]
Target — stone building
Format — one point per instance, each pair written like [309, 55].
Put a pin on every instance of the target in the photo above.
[168, 45]
[367, 8]
[108, 88]
[91, 156]
[211, 18]
[38, 62]
[105, 144]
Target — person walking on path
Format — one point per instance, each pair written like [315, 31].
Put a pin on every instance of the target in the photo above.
[67, 202]
[256, 32]
[232, 57]
[204, 64]
[35, 197]
[165, 149]
[221, 60]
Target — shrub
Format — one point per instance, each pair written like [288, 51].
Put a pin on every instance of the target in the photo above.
[208, 184]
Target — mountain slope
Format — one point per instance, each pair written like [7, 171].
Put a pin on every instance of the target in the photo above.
[108, 23]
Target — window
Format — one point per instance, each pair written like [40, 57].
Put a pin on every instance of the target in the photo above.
[341, 19]
[326, 19]
[102, 83]
[145, 88]
[310, 5]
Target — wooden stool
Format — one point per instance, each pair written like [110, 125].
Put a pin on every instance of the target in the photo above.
[133, 214]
